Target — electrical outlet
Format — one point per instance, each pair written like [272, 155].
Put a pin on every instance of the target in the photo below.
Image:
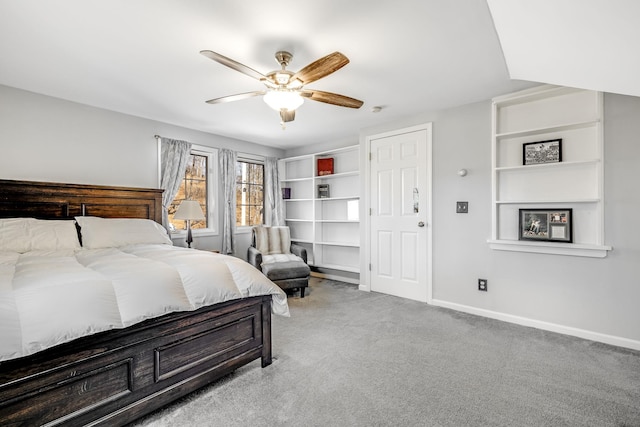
[483, 285]
[462, 207]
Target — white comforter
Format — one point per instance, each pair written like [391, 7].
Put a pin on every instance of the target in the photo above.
[51, 297]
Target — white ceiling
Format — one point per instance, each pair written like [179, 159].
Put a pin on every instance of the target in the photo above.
[141, 57]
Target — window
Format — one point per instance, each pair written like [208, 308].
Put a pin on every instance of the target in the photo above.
[198, 184]
[249, 193]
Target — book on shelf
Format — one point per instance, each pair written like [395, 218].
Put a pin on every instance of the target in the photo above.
[323, 191]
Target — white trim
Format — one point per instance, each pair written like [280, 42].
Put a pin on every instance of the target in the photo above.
[365, 222]
[547, 326]
[250, 158]
[429, 129]
[212, 190]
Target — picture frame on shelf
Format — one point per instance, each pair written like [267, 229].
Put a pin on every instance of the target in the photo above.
[323, 191]
[541, 152]
[286, 193]
[325, 166]
[548, 225]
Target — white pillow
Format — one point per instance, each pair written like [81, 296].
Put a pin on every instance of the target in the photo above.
[29, 234]
[115, 232]
[279, 240]
[262, 238]
[272, 240]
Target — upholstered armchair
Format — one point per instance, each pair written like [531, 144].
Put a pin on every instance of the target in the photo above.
[284, 263]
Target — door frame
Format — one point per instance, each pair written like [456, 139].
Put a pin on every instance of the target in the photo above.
[365, 229]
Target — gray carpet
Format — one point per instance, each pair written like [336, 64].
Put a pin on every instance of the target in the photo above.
[350, 358]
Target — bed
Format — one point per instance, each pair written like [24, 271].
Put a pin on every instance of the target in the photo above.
[112, 373]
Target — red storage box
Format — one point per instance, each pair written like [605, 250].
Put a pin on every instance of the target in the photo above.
[325, 166]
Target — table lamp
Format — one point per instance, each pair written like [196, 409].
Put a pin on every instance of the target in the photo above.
[189, 210]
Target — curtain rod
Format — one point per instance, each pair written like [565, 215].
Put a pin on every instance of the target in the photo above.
[241, 156]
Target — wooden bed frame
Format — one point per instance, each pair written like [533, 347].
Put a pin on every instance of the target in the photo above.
[114, 377]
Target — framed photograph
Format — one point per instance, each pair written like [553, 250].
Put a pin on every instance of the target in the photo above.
[323, 191]
[286, 193]
[549, 225]
[536, 153]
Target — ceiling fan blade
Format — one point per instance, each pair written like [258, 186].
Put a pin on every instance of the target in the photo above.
[331, 98]
[237, 97]
[233, 64]
[287, 115]
[320, 68]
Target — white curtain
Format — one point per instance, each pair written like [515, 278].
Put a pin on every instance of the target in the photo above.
[273, 196]
[174, 155]
[228, 174]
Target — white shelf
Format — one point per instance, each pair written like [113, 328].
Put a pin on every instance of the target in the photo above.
[328, 199]
[546, 202]
[550, 129]
[296, 240]
[325, 220]
[339, 175]
[297, 179]
[551, 248]
[548, 165]
[576, 182]
[338, 267]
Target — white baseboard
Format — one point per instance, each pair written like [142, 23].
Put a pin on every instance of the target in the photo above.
[335, 277]
[553, 327]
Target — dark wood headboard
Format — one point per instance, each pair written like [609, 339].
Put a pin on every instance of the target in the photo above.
[50, 200]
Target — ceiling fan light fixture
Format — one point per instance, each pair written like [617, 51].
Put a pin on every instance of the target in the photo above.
[282, 78]
[281, 99]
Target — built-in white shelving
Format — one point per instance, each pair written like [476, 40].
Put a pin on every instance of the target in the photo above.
[329, 227]
[542, 114]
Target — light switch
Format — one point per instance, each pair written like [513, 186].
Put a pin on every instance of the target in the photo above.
[462, 207]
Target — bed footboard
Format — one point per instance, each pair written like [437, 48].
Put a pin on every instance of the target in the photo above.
[117, 376]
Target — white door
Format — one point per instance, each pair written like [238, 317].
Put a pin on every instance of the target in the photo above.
[400, 202]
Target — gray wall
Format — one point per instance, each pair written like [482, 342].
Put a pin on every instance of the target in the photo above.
[600, 296]
[49, 139]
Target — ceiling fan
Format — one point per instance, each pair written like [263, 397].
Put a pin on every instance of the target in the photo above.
[285, 90]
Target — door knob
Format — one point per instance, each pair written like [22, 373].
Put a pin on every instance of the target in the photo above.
[421, 224]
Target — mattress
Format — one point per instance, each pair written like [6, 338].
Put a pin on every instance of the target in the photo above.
[48, 297]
